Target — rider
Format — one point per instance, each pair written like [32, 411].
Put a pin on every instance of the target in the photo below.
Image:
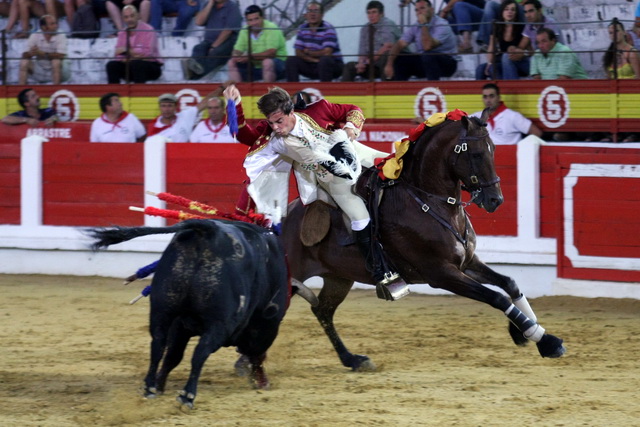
[303, 140]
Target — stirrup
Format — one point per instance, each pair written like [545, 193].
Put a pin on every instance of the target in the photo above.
[392, 291]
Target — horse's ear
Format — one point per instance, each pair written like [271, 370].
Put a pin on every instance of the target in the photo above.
[466, 122]
[485, 115]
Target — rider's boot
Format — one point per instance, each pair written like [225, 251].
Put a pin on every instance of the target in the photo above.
[389, 284]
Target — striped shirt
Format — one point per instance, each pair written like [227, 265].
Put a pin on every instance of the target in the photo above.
[318, 38]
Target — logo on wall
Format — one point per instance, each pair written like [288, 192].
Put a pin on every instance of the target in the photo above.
[428, 102]
[66, 105]
[553, 107]
[187, 98]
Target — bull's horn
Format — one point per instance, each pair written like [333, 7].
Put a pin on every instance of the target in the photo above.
[306, 293]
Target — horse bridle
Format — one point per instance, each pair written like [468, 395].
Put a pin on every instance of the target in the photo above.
[476, 184]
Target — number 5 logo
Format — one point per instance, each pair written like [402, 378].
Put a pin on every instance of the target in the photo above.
[66, 105]
[553, 107]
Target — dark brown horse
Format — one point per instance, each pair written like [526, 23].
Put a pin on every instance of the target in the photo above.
[426, 235]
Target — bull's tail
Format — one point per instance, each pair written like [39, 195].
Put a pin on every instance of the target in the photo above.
[110, 236]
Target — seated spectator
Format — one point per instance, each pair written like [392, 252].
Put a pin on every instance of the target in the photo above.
[634, 35]
[268, 50]
[553, 60]
[430, 34]
[215, 128]
[31, 112]
[115, 9]
[505, 126]
[26, 9]
[536, 20]
[115, 124]
[508, 52]
[173, 125]
[222, 21]
[186, 10]
[142, 58]
[621, 60]
[317, 51]
[45, 58]
[465, 17]
[10, 9]
[385, 34]
[492, 13]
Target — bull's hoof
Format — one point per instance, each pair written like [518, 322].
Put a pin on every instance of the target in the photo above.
[242, 366]
[361, 363]
[258, 379]
[185, 400]
[551, 346]
[517, 336]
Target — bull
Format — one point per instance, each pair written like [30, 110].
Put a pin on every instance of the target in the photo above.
[226, 282]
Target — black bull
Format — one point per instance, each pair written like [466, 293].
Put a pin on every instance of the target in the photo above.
[224, 281]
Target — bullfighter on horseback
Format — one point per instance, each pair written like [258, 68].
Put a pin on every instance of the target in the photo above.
[324, 156]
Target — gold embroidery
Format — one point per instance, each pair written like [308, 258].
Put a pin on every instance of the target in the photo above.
[357, 118]
[312, 123]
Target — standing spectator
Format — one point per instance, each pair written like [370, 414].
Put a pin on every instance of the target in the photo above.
[317, 49]
[464, 16]
[115, 124]
[553, 60]
[31, 112]
[137, 48]
[222, 20]
[215, 128]
[177, 127]
[492, 13]
[45, 56]
[536, 20]
[508, 54]
[186, 10]
[505, 126]
[385, 33]
[435, 46]
[621, 60]
[267, 49]
[115, 9]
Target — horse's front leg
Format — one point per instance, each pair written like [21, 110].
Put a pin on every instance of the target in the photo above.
[482, 273]
[333, 293]
[464, 285]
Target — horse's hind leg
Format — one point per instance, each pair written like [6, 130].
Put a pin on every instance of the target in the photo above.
[333, 293]
[479, 271]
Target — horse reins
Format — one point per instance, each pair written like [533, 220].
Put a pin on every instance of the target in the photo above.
[462, 147]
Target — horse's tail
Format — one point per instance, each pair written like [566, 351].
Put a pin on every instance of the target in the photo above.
[110, 236]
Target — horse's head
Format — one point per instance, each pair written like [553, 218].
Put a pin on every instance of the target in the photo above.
[473, 163]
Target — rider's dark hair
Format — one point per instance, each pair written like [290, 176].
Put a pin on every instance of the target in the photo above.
[106, 100]
[274, 100]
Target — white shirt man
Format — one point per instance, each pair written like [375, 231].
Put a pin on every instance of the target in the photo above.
[215, 128]
[115, 125]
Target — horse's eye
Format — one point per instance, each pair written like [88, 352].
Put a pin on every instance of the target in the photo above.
[477, 155]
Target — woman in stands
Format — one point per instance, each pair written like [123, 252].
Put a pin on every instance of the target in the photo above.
[621, 60]
[509, 51]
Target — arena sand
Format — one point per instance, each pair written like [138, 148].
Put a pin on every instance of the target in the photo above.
[74, 353]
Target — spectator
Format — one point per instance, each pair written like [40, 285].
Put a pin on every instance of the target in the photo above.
[10, 9]
[536, 20]
[317, 49]
[508, 53]
[553, 60]
[435, 44]
[464, 17]
[137, 49]
[222, 20]
[115, 124]
[26, 9]
[31, 112]
[492, 13]
[634, 35]
[621, 60]
[266, 50]
[186, 10]
[115, 9]
[385, 34]
[45, 57]
[215, 128]
[176, 126]
[505, 126]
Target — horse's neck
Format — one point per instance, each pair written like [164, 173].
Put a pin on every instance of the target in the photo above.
[431, 172]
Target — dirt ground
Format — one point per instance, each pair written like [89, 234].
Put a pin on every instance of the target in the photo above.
[74, 353]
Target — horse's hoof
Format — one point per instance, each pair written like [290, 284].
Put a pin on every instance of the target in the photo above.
[150, 393]
[551, 346]
[362, 364]
[517, 336]
[185, 401]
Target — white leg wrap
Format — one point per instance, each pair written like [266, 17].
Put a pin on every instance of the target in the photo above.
[534, 333]
[522, 303]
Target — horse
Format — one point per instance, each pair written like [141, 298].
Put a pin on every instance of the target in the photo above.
[425, 232]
